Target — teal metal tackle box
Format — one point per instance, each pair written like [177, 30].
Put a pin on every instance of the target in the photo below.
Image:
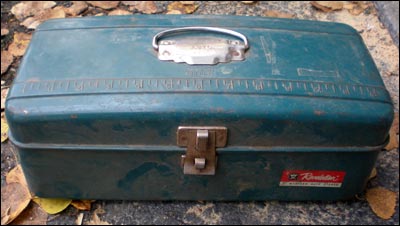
[191, 107]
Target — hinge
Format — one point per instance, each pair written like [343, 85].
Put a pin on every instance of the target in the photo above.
[200, 143]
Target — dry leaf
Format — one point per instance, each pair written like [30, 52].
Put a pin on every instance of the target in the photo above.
[29, 8]
[82, 204]
[274, 13]
[16, 175]
[33, 22]
[6, 60]
[373, 174]
[117, 12]
[393, 143]
[104, 4]
[174, 12]
[395, 123]
[19, 44]
[187, 2]
[327, 6]
[14, 199]
[4, 31]
[76, 8]
[4, 128]
[4, 93]
[32, 215]
[52, 206]
[356, 11]
[382, 202]
[96, 220]
[349, 5]
[184, 9]
[79, 219]
[147, 7]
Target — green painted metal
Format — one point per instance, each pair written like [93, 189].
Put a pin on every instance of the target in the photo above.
[95, 113]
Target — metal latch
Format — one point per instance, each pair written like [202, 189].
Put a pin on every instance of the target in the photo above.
[201, 142]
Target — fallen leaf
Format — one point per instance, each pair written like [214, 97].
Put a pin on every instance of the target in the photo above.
[117, 12]
[4, 128]
[147, 7]
[79, 219]
[52, 206]
[76, 8]
[82, 204]
[187, 2]
[104, 4]
[274, 13]
[382, 202]
[29, 8]
[395, 123]
[327, 6]
[373, 174]
[19, 44]
[174, 12]
[4, 93]
[14, 199]
[6, 60]
[356, 11]
[393, 143]
[184, 9]
[32, 215]
[33, 22]
[247, 2]
[96, 220]
[349, 5]
[16, 175]
[4, 31]
[99, 14]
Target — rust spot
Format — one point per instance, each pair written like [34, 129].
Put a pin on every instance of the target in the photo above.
[319, 113]
[73, 116]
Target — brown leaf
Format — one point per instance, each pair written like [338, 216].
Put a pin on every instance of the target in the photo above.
[104, 4]
[356, 11]
[33, 22]
[4, 31]
[382, 202]
[187, 2]
[96, 220]
[373, 174]
[4, 128]
[6, 60]
[349, 5]
[82, 204]
[32, 215]
[393, 142]
[327, 6]
[174, 12]
[29, 8]
[79, 219]
[147, 7]
[99, 14]
[14, 199]
[20, 42]
[16, 176]
[184, 9]
[117, 12]
[274, 13]
[76, 8]
[395, 123]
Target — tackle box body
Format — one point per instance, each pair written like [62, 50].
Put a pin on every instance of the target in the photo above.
[103, 108]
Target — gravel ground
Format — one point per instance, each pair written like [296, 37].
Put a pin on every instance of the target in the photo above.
[385, 54]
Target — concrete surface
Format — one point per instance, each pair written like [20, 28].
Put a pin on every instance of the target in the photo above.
[385, 55]
[389, 15]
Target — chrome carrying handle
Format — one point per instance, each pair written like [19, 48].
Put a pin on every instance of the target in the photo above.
[213, 29]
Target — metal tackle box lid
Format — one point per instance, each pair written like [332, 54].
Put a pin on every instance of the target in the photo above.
[269, 82]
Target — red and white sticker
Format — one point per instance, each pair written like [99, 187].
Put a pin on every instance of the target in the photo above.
[312, 178]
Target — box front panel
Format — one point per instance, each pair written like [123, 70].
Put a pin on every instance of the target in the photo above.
[157, 175]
